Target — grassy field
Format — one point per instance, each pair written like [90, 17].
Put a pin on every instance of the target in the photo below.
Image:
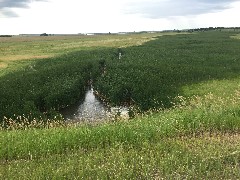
[153, 74]
[37, 64]
[28, 48]
[187, 88]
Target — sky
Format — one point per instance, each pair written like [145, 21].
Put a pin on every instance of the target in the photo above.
[88, 16]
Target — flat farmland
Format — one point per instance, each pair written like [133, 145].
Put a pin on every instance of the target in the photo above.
[27, 48]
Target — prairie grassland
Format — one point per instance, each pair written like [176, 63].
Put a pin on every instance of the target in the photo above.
[3, 65]
[237, 36]
[195, 137]
[75, 58]
[20, 48]
[153, 74]
[220, 88]
[31, 48]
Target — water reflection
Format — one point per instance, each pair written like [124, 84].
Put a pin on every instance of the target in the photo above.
[90, 110]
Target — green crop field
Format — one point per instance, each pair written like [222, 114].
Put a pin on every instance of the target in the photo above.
[183, 91]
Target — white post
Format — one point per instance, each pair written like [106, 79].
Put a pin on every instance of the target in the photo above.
[120, 55]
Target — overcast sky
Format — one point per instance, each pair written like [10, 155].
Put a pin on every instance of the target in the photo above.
[82, 16]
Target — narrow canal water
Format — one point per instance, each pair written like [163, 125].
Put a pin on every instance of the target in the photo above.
[91, 109]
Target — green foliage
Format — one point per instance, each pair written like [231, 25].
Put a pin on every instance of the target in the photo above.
[153, 74]
[148, 76]
[199, 138]
[48, 84]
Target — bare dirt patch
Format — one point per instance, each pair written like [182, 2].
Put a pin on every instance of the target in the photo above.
[24, 57]
[3, 65]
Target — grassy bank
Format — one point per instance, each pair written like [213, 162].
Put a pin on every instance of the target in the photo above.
[216, 157]
[197, 139]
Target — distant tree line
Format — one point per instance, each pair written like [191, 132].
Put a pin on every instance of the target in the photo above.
[205, 29]
[44, 34]
[5, 35]
[214, 28]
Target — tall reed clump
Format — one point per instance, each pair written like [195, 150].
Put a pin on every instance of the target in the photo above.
[41, 89]
[153, 74]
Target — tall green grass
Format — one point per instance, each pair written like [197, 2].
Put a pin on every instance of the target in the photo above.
[188, 118]
[43, 87]
[198, 138]
[172, 158]
[153, 74]
[148, 76]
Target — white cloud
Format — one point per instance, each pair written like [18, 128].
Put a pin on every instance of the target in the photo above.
[167, 8]
[81, 16]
